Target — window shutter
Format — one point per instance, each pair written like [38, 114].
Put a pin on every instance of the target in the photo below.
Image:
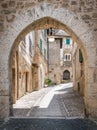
[44, 52]
[45, 32]
[41, 44]
[67, 41]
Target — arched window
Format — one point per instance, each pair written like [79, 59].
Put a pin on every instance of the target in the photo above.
[66, 75]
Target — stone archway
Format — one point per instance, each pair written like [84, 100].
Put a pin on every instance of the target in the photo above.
[45, 23]
[28, 20]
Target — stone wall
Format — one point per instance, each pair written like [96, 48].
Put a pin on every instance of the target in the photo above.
[78, 18]
[54, 61]
[78, 71]
[22, 67]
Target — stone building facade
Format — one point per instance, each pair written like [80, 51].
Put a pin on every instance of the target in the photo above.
[54, 62]
[29, 67]
[78, 18]
[78, 70]
[43, 67]
[60, 60]
[66, 65]
[22, 67]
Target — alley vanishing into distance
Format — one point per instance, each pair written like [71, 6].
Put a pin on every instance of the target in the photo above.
[56, 107]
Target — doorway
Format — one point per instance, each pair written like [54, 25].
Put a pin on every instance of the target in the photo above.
[66, 75]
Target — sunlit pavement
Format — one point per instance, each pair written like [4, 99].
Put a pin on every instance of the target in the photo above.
[24, 105]
[52, 108]
[54, 102]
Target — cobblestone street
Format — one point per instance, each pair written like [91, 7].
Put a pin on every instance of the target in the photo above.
[52, 108]
[53, 102]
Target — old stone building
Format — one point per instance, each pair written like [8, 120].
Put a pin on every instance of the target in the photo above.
[42, 42]
[76, 17]
[54, 62]
[22, 67]
[66, 66]
[29, 68]
[60, 61]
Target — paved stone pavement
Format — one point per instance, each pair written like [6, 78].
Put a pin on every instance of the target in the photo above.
[25, 104]
[49, 124]
[54, 102]
[52, 108]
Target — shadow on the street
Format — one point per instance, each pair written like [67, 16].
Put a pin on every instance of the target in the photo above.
[48, 124]
[64, 103]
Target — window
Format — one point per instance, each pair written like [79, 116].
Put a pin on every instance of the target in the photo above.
[40, 43]
[60, 43]
[68, 41]
[60, 40]
[80, 56]
[67, 57]
[50, 31]
[45, 52]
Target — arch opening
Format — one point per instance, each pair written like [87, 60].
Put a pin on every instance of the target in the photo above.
[44, 23]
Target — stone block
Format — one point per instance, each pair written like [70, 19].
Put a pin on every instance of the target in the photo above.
[1, 18]
[11, 3]
[29, 4]
[10, 18]
[94, 15]
[7, 12]
[73, 3]
[92, 107]
[4, 5]
[4, 107]
[86, 17]
[90, 75]
[4, 88]
[1, 27]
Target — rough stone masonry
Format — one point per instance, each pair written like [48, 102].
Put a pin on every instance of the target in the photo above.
[77, 17]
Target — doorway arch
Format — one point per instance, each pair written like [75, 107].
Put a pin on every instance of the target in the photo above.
[66, 75]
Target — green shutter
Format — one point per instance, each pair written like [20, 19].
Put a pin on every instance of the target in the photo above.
[80, 57]
[44, 52]
[41, 44]
[67, 41]
[45, 32]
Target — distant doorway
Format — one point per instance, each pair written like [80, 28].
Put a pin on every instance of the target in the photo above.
[66, 75]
